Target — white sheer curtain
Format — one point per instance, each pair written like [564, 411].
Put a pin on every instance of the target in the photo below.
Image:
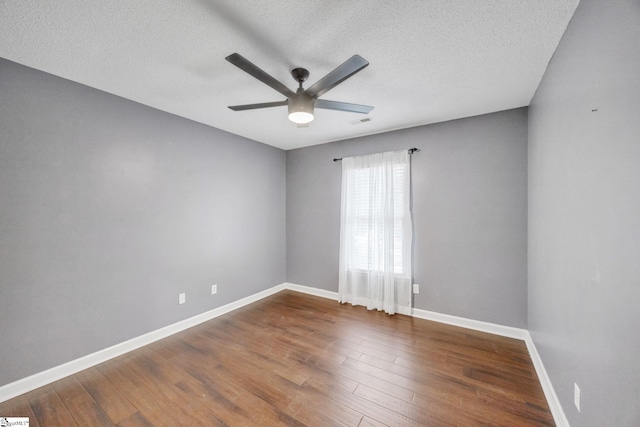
[376, 232]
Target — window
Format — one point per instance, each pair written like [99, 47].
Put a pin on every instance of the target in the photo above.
[364, 223]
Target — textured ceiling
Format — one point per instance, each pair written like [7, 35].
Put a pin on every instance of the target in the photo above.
[430, 60]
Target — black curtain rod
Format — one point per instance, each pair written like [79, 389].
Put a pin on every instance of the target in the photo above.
[410, 150]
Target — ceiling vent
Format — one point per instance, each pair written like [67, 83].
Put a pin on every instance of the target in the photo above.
[359, 121]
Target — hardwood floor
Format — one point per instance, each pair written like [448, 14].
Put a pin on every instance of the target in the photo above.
[294, 359]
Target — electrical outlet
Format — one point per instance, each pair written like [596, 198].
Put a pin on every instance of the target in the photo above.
[214, 289]
[576, 396]
[416, 288]
[182, 298]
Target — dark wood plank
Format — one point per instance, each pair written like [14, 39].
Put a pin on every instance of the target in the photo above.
[310, 417]
[218, 401]
[135, 420]
[50, 410]
[80, 404]
[294, 359]
[19, 407]
[368, 422]
[106, 395]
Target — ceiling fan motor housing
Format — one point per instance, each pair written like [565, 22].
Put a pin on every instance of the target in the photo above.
[301, 108]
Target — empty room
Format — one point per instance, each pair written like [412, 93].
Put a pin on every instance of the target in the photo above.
[320, 213]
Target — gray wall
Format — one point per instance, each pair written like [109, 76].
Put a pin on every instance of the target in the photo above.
[109, 209]
[584, 215]
[469, 207]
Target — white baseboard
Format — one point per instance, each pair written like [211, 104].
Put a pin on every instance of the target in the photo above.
[40, 379]
[312, 291]
[552, 398]
[476, 325]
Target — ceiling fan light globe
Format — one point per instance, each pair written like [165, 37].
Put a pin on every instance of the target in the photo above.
[300, 109]
[300, 117]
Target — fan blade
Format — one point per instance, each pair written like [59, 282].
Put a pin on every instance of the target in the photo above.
[256, 106]
[337, 76]
[342, 106]
[248, 67]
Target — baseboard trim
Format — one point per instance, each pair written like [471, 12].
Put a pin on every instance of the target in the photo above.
[56, 373]
[476, 325]
[312, 291]
[40, 379]
[547, 387]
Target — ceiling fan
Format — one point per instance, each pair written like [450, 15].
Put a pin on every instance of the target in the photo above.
[302, 102]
